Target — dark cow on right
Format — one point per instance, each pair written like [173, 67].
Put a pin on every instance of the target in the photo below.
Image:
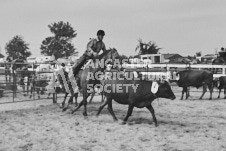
[221, 84]
[195, 78]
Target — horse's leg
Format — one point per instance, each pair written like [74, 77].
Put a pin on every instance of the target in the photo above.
[103, 104]
[204, 91]
[69, 102]
[85, 94]
[63, 103]
[80, 104]
[93, 93]
[76, 99]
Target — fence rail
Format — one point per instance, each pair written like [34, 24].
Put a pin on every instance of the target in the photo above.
[219, 70]
[145, 69]
[12, 82]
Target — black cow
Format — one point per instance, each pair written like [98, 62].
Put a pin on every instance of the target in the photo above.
[195, 78]
[139, 97]
[221, 84]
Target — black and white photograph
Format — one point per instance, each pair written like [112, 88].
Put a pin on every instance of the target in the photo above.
[112, 75]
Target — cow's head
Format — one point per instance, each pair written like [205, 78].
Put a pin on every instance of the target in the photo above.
[165, 91]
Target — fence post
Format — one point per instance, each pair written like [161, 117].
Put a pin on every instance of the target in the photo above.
[54, 98]
[33, 82]
[14, 89]
[223, 70]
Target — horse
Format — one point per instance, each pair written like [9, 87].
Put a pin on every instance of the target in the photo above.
[84, 80]
[75, 94]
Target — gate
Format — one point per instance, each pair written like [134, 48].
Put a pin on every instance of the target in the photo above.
[25, 83]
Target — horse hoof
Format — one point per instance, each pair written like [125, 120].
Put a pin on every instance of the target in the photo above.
[64, 109]
[62, 105]
[123, 123]
[115, 120]
[85, 114]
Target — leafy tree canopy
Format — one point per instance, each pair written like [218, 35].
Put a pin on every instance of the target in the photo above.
[198, 54]
[147, 48]
[1, 55]
[17, 47]
[59, 44]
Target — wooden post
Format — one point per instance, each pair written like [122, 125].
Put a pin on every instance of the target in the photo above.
[167, 67]
[223, 70]
[33, 82]
[14, 89]
[54, 98]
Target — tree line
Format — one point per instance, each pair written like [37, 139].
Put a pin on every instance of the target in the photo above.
[59, 44]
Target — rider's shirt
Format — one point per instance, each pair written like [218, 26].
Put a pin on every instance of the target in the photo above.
[95, 46]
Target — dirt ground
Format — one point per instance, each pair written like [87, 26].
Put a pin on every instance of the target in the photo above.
[187, 125]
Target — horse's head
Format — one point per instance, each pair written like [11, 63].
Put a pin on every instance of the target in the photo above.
[110, 54]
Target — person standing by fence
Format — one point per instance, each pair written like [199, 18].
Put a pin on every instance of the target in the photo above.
[8, 69]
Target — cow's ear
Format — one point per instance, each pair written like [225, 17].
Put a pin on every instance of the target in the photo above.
[162, 81]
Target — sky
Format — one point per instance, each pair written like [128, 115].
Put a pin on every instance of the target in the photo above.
[176, 26]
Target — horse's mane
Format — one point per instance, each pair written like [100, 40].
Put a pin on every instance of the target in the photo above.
[106, 52]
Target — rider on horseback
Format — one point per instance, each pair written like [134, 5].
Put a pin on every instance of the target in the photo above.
[93, 48]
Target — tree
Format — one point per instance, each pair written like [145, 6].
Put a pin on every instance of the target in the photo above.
[198, 54]
[1, 55]
[123, 57]
[17, 47]
[190, 57]
[147, 48]
[59, 44]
